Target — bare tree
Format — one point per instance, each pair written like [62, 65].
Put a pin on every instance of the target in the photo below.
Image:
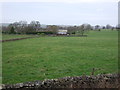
[53, 28]
[35, 25]
[20, 27]
[87, 27]
[98, 27]
[108, 26]
[84, 28]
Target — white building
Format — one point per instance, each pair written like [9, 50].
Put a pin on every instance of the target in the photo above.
[62, 31]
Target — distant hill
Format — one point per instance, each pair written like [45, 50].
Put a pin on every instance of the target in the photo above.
[4, 24]
[43, 25]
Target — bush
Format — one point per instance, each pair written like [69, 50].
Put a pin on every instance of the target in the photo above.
[73, 32]
[45, 32]
[38, 33]
[42, 34]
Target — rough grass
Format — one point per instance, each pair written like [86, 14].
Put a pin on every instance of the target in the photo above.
[54, 57]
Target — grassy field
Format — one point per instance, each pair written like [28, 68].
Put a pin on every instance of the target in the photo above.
[7, 36]
[55, 57]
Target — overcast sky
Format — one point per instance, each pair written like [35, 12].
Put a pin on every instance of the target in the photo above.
[61, 12]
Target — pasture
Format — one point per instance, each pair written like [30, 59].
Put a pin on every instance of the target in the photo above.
[55, 57]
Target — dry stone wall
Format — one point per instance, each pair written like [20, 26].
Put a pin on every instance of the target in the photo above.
[98, 81]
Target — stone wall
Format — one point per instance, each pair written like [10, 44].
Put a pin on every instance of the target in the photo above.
[98, 81]
[15, 39]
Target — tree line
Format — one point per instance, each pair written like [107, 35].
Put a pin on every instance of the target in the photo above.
[34, 27]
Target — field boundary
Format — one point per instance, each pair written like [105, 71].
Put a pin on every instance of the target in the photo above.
[67, 35]
[98, 81]
[15, 39]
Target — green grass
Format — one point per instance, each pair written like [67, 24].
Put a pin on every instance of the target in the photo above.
[55, 57]
[13, 36]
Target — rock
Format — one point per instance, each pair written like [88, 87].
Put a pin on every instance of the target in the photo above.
[99, 81]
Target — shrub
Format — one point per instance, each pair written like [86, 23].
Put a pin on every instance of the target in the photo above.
[42, 34]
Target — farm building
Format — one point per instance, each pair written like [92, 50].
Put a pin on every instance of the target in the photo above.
[62, 32]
